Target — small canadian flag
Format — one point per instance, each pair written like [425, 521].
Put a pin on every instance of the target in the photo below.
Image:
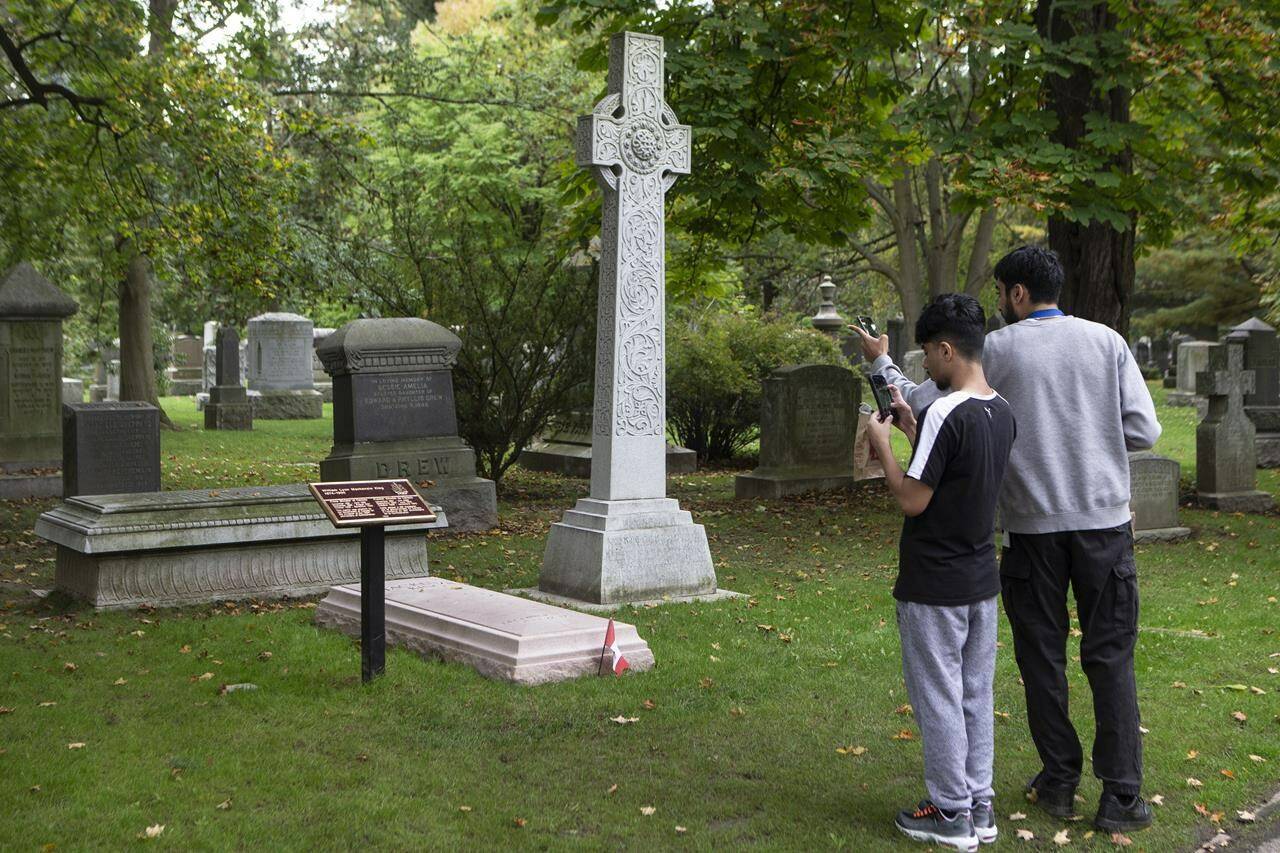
[620, 664]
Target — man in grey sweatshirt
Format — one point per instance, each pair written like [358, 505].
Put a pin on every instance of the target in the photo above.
[1081, 403]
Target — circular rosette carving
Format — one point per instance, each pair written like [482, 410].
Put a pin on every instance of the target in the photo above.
[643, 144]
[640, 293]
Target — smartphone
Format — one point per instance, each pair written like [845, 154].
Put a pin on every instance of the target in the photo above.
[884, 400]
[868, 325]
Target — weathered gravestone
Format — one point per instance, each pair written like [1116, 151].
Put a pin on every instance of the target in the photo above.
[895, 328]
[808, 425]
[281, 384]
[394, 415]
[72, 390]
[186, 374]
[323, 383]
[1193, 358]
[629, 542]
[1226, 457]
[208, 363]
[1262, 356]
[106, 374]
[1176, 340]
[565, 449]
[1160, 355]
[1142, 352]
[1153, 497]
[913, 366]
[110, 448]
[228, 406]
[31, 315]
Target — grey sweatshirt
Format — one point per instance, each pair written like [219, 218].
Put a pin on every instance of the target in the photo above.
[1080, 403]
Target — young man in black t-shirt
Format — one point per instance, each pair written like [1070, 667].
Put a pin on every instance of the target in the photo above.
[948, 579]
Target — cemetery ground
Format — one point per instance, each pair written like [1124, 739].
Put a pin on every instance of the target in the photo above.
[778, 720]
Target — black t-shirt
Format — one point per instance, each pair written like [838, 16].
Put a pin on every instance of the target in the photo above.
[947, 554]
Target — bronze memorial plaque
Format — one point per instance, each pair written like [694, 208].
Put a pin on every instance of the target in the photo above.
[361, 503]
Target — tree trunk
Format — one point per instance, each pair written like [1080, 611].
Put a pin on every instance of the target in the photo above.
[137, 353]
[1097, 259]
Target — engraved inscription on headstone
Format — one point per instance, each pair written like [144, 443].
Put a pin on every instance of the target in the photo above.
[391, 406]
[280, 374]
[110, 448]
[1153, 489]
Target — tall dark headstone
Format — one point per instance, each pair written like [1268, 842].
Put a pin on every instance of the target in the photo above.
[228, 406]
[1160, 354]
[1176, 340]
[808, 423]
[110, 448]
[1226, 457]
[1262, 356]
[31, 315]
[394, 415]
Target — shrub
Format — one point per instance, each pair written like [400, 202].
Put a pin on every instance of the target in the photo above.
[716, 362]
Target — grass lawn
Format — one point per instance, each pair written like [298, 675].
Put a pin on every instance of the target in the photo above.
[738, 726]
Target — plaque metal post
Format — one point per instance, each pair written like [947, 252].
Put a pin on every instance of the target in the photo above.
[373, 602]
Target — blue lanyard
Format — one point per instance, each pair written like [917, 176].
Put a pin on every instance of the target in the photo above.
[1045, 312]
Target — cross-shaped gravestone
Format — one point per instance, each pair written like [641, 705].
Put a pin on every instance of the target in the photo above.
[1226, 458]
[634, 147]
[628, 542]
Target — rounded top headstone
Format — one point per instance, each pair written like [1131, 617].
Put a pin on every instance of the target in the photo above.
[24, 292]
[388, 345]
[279, 317]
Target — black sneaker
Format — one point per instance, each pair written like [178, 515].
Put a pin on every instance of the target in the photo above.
[1059, 802]
[928, 823]
[984, 821]
[1122, 814]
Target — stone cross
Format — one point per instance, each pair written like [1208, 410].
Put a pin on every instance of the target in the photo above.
[1227, 385]
[635, 148]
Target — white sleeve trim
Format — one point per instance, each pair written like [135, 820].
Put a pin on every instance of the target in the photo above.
[933, 421]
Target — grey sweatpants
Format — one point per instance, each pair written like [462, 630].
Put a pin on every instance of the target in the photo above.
[949, 662]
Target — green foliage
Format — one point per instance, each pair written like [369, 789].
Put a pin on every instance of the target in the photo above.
[716, 360]
[1189, 288]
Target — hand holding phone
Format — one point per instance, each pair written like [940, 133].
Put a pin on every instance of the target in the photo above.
[884, 399]
[868, 325]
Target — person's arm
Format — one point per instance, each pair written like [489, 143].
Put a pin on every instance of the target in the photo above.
[913, 496]
[876, 352]
[1137, 410]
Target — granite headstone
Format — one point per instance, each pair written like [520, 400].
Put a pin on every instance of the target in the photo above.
[186, 374]
[1262, 356]
[228, 407]
[281, 382]
[808, 424]
[110, 448]
[565, 448]
[1153, 497]
[1226, 455]
[913, 366]
[1193, 358]
[31, 314]
[394, 415]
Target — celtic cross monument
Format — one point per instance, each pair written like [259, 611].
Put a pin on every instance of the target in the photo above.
[1226, 456]
[628, 541]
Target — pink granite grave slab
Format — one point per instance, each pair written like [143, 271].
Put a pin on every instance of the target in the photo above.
[502, 636]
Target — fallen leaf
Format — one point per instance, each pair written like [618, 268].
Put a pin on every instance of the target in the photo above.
[184, 650]
[1239, 716]
[1062, 839]
[1018, 816]
[1157, 800]
[1257, 759]
[1246, 817]
[4, 710]
[519, 822]
[1257, 691]
[204, 677]
[47, 704]
[152, 831]
[1144, 730]
[70, 667]
[906, 710]
[649, 704]
[119, 681]
[1120, 839]
[705, 682]
[1179, 685]
[138, 633]
[35, 789]
[77, 745]
[1216, 817]
[1025, 835]
[613, 789]
[1192, 753]
[464, 808]
[1193, 782]
[737, 712]
[1202, 809]
[904, 734]
[680, 830]
[224, 805]
[851, 750]
[1228, 773]
[264, 655]
[647, 810]
[622, 721]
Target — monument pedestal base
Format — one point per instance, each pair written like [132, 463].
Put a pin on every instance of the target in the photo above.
[297, 405]
[16, 485]
[616, 552]
[1268, 445]
[763, 484]
[1161, 534]
[501, 636]
[1254, 501]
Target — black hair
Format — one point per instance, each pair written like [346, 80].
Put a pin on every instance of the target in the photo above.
[1038, 270]
[956, 318]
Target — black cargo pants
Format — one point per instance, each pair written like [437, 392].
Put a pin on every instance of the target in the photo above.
[1035, 570]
